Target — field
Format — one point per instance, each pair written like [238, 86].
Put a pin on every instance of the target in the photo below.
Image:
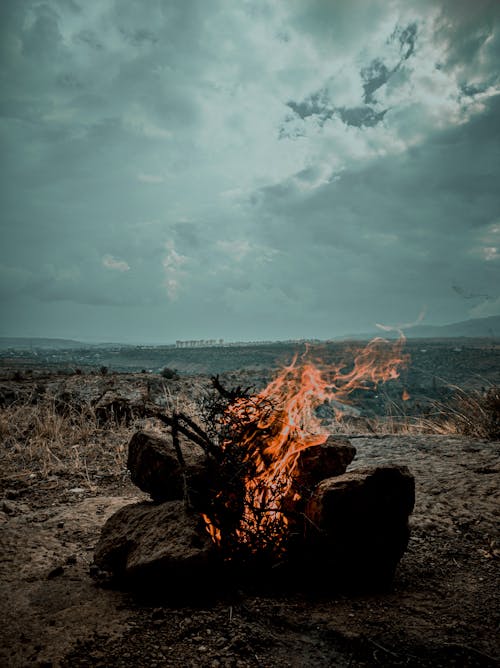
[65, 426]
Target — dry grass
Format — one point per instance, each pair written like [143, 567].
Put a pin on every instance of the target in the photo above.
[42, 438]
[473, 413]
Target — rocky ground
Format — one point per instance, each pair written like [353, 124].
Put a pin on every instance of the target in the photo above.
[442, 610]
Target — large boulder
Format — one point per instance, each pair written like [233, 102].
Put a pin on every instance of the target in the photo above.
[160, 543]
[155, 468]
[357, 524]
[326, 460]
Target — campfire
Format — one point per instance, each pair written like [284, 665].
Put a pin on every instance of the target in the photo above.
[258, 482]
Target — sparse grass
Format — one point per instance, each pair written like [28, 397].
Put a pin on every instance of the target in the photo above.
[43, 439]
[475, 414]
[472, 413]
[39, 436]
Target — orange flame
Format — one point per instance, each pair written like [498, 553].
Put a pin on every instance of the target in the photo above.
[276, 424]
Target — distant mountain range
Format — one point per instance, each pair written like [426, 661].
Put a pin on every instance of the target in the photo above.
[28, 343]
[474, 328]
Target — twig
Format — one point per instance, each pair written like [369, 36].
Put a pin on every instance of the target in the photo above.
[231, 395]
[175, 441]
[180, 457]
[472, 650]
[382, 648]
[203, 441]
[192, 425]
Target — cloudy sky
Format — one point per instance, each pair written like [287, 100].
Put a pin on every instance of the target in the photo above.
[247, 169]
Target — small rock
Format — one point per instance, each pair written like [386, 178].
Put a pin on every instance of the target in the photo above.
[8, 507]
[326, 460]
[77, 490]
[55, 572]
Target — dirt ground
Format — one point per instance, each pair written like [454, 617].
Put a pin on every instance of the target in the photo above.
[442, 611]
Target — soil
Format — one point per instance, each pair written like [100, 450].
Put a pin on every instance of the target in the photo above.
[441, 611]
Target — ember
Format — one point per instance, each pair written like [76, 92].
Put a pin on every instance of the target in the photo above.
[267, 481]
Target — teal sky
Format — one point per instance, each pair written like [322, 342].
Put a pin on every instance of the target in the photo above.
[180, 169]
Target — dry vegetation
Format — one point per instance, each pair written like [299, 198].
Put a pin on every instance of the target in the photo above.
[43, 439]
[41, 435]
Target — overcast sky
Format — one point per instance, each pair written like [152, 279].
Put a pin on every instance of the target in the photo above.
[247, 169]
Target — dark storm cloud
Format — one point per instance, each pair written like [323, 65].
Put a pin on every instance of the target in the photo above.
[136, 136]
[414, 221]
[376, 74]
[315, 105]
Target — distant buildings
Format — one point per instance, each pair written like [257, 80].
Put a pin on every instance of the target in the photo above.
[207, 343]
[199, 343]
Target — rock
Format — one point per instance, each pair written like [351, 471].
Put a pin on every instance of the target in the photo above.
[162, 543]
[113, 407]
[155, 468]
[10, 394]
[328, 459]
[55, 572]
[13, 507]
[358, 524]
[8, 507]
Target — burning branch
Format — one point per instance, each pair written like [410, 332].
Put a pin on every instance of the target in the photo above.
[254, 443]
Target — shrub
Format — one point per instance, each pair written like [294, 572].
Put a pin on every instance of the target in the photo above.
[170, 374]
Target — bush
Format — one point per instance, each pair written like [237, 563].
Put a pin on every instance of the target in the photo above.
[170, 374]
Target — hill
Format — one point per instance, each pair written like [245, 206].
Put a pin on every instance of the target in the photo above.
[28, 343]
[474, 328]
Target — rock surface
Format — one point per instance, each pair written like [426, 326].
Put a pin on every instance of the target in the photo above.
[155, 468]
[162, 542]
[358, 524]
[328, 459]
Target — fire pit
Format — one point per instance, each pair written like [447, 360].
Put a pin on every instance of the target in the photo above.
[261, 488]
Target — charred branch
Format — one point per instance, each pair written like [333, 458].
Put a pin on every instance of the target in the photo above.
[192, 431]
[233, 394]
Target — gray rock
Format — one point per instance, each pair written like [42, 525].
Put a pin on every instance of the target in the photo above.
[155, 468]
[358, 523]
[9, 507]
[323, 461]
[160, 542]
